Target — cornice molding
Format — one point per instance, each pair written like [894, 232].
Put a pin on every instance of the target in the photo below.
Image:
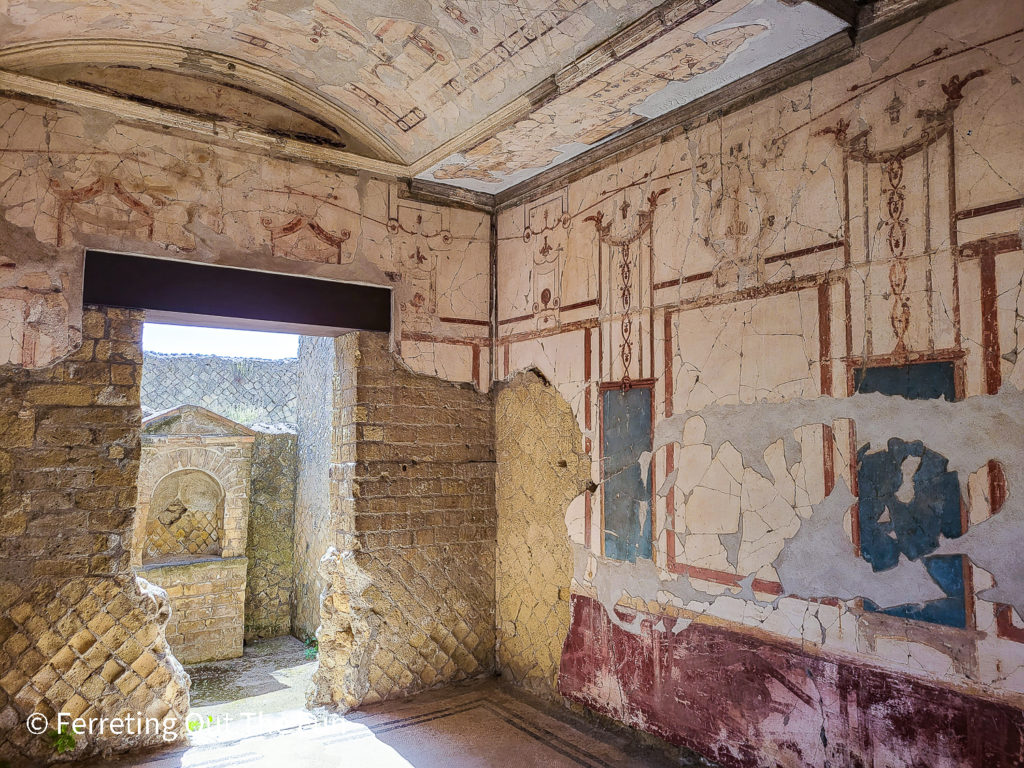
[872, 19]
[627, 41]
[624, 42]
[186, 61]
[815, 60]
[880, 16]
[489, 126]
[427, 191]
[15, 85]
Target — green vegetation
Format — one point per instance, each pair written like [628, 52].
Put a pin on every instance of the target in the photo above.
[311, 647]
[242, 413]
[61, 740]
[198, 725]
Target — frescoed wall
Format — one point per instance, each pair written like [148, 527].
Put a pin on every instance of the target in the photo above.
[789, 337]
[70, 182]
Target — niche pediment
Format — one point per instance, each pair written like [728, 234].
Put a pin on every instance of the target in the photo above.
[195, 421]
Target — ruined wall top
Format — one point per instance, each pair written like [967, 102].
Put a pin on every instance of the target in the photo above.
[243, 389]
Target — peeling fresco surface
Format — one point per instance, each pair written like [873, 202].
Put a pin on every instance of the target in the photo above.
[403, 79]
[70, 182]
[896, 520]
[730, 694]
[750, 274]
[823, 294]
[417, 73]
[699, 48]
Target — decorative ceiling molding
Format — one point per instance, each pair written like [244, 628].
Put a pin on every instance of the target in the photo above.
[436, 193]
[127, 110]
[879, 16]
[870, 19]
[626, 41]
[632, 38]
[190, 61]
[490, 125]
[816, 60]
[421, 74]
[671, 56]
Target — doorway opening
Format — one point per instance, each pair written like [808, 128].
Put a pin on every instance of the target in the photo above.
[218, 490]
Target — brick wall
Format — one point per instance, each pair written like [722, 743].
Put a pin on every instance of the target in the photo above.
[207, 600]
[269, 549]
[78, 632]
[411, 598]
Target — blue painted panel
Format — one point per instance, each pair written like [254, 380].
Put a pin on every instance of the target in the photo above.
[921, 381]
[891, 527]
[625, 434]
[948, 572]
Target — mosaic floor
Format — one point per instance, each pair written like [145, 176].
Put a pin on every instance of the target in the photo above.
[252, 715]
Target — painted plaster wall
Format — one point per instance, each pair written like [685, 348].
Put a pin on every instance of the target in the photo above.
[766, 253]
[69, 180]
[868, 218]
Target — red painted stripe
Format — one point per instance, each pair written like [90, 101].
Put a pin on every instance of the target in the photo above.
[804, 251]
[724, 577]
[465, 321]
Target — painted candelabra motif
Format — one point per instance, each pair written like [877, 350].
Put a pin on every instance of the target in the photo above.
[901, 217]
[420, 233]
[547, 223]
[625, 255]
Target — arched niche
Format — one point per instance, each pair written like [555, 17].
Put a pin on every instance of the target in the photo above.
[185, 519]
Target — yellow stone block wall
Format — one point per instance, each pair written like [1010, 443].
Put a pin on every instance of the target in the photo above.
[207, 602]
[78, 633]
[540, 470]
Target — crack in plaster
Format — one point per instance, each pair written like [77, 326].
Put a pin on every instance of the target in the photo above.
[817, 561]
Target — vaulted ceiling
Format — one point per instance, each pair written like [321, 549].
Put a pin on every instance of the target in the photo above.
[478, 94]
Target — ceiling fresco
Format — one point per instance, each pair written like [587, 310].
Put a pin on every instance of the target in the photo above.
[418, 72]
[420, 84]
[694, 53]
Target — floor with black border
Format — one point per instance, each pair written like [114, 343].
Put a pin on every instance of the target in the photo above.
[481, 723]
